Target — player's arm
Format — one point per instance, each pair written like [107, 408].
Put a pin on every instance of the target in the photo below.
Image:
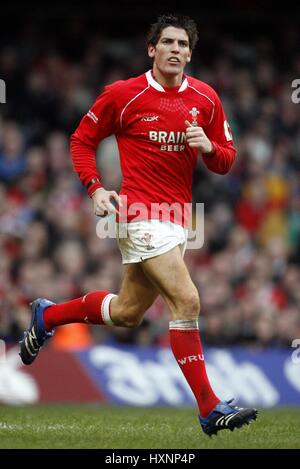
[215, 142]
[97, 124]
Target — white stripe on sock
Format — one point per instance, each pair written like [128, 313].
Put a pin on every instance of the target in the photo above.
[184, 324]
[105, 309]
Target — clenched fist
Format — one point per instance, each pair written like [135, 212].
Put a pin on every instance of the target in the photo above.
[196, 138]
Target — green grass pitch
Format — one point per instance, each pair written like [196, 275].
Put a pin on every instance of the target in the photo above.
[91, 426]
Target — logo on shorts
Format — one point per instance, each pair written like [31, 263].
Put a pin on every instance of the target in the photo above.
[147, 238]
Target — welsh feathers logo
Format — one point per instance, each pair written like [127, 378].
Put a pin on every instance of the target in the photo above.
[148, 240]
[194, 113]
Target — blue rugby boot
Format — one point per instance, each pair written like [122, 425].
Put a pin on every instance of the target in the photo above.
[36, 335]
[226, 417]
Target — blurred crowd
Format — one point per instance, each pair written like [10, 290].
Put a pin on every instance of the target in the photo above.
[247, 272]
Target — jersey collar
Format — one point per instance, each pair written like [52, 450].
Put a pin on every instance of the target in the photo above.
[158, 87]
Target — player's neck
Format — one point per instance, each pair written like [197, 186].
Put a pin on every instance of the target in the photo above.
[167, 80]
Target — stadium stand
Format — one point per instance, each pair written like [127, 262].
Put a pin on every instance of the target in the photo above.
[248, 272]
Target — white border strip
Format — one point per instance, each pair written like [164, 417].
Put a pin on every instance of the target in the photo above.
[158, 87]
[105, 309]
[183, 325]
[153, 83]
[124, 109]
[184, 85]
[92, 116]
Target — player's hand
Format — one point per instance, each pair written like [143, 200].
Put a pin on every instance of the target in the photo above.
[102, 201]
[196, 138]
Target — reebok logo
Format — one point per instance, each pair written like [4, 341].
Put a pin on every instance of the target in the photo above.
[191, 358]
[149, 118]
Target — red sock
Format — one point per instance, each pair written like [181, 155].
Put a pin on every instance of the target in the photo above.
[187, 349]
[92, 308]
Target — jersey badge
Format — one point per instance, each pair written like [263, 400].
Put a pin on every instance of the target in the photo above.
[194, 113]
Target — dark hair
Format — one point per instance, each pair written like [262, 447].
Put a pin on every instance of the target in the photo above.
[177, 21]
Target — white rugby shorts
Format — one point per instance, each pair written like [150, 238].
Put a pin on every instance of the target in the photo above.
[140, 240]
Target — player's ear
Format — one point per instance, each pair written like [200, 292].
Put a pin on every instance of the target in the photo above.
[151, 51]
[189, 57]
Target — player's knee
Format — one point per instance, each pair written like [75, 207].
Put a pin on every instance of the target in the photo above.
[192, 306]
[130, 321]
[188, 306]
[128, 316]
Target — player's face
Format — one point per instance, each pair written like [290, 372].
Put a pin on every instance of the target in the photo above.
[172, 51]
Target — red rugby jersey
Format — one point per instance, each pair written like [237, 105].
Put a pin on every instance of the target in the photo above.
[148, 121]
